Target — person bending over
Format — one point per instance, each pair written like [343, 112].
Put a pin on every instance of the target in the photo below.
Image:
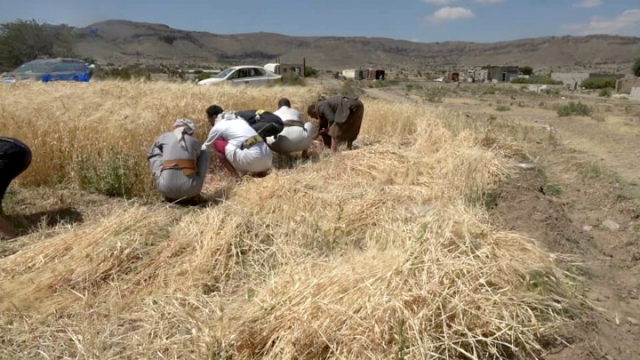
[178, 163]
[340, 119]
[15, 158]
[238, 146]
[265, 123]
[296, 135]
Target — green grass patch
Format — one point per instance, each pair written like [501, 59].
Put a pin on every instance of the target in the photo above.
[575, 109]
[605, 93]
[591, 171]
[599, 83]
[552, 190]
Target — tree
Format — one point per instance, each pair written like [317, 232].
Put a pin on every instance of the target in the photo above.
[636, 67]
[22, 41]
[526, 70]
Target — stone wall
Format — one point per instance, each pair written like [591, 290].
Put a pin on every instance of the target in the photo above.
[624, 86]
[570, 78]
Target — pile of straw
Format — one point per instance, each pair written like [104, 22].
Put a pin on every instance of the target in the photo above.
[380, 252]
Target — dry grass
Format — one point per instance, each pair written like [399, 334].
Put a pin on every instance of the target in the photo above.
[96, 135]
[381, 252]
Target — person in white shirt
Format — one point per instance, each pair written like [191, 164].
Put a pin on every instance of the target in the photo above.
[238, 146]
[296, 135]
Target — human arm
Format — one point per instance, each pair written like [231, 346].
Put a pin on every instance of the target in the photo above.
[334, 145]
[214, 134]
[319, 133]
[155, 150]
[325, 112]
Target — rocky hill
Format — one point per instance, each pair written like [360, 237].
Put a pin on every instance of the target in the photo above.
[121, 42]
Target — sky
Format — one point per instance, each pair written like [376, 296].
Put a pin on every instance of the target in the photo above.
[414, 20]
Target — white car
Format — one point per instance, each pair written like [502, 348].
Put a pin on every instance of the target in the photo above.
[244, 75]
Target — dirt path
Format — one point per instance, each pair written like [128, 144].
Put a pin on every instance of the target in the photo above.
[582, 203]
[612, 142]
[384, 95]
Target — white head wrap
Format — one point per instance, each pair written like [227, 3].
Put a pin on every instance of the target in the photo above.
[182, 126]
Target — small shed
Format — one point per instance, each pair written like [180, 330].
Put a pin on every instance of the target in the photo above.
[375, 74]
[502, 73]
[453, 77]
[284, 68]
[354, 74]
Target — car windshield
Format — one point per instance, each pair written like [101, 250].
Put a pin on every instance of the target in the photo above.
[224, 74]
[50, 66]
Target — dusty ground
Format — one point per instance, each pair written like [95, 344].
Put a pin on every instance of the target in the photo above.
[586, 178]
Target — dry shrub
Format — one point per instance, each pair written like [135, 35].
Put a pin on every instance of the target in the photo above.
[379, 252]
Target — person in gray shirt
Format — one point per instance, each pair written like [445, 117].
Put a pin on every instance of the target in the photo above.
[178, 164]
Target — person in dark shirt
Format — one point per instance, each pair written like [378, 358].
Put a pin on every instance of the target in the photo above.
[15, 158]
[340, 120]
[265, 123]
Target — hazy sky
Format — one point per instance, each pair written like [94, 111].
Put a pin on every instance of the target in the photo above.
[418, 20]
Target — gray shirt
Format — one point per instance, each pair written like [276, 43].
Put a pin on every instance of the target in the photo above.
[172, 182]
[167, 147]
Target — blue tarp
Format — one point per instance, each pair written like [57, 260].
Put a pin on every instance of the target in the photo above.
[52, 70]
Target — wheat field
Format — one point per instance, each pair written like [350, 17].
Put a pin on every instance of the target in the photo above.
[381, 252]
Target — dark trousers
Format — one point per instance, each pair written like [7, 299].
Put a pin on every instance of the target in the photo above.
[15, 158]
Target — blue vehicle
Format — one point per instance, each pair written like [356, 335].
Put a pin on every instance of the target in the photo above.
[51, 70]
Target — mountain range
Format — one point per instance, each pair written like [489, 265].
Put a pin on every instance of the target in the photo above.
[124, 42]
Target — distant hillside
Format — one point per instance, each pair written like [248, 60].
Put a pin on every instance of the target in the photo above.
[121, 42]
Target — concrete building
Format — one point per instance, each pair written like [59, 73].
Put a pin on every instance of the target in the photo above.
[282, 69]
[354, 74]
[479, 75]
[375, 74]
[501, 73]
[574, 79]
[635, 93]
[624, 86]
[452, 77]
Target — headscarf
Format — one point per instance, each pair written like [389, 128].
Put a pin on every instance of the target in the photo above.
[182, 126]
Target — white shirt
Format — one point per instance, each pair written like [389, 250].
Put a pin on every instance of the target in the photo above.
[235, 131]
[292, 139]
[286, 113]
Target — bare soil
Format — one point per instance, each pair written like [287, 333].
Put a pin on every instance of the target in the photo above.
[586, 177]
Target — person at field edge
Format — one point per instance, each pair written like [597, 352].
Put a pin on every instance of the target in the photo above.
[265, 123]
[340, 119]
[238, 146]
[296, 135]
[178, 164]
[15, 158]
